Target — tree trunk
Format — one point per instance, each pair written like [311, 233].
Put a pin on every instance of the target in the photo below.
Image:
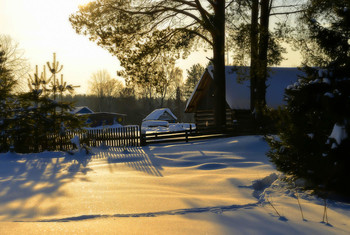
[178, 105]
[263, 47]
[254, 53]
[218, 35]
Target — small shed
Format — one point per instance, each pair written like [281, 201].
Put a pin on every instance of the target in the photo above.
[201, 101]
[163, 114]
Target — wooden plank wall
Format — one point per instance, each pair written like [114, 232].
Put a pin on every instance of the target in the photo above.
[205, 119]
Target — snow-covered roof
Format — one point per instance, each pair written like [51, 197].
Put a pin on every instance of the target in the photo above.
[238, 92]
[82, 109]
[157, 113]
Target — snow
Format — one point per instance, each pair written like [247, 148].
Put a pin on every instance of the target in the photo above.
[217, 186]
[311, 135]
[116, 125]
[75, 140]
[238, 93]
[164, 126]
[82, 110]
[154, 123]
[328, 94]
[157, 113]
[338, 133]
[326, 80]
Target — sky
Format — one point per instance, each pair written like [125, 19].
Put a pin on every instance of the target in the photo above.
[41, 27]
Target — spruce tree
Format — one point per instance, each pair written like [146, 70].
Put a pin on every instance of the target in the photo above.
[41, 118]
[7, 100]
[193, 75]
[314, 127]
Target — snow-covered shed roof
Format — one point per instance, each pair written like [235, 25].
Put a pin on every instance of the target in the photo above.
[82, 110]
[238, 90]
[157, 113]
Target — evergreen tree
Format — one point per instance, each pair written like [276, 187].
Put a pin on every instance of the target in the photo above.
[314, 138]
[193, 75]
[40, 118]
[7, 99]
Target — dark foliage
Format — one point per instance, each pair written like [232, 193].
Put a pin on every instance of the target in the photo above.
[7, 100]
[314, 128]
[28, 119]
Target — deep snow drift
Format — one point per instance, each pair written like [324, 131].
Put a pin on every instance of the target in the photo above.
[219, 186]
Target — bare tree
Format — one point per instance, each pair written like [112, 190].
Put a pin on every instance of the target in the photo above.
[102, 85]
[15, 61]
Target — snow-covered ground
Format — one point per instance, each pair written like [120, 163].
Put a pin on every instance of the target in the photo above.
[164, 126]
[218, 186]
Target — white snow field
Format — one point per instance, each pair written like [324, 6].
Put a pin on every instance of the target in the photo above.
[218, 186]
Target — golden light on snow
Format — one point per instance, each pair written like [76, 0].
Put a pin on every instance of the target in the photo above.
[202, 187]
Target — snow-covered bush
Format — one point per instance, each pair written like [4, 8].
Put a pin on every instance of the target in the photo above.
[314, 128]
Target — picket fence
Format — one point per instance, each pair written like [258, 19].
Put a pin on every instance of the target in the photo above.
[115, 137]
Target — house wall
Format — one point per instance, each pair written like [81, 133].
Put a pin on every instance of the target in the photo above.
[207, 101]
[239, 121]
[167, 117]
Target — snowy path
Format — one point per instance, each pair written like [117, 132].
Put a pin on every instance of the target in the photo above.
[200, 187]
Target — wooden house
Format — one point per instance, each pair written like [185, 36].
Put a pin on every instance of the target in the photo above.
[163, 114]
[238, 114]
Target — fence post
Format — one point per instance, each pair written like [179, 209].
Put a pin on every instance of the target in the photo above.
[142, 137]
[186, 132]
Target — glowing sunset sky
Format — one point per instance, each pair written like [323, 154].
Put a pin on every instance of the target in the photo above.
[41, 27]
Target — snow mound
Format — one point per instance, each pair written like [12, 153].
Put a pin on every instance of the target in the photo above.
[260, 185]
[212, 166]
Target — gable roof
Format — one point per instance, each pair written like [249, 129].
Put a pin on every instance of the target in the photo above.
[157, 113]
[82, 110]
[238, 92]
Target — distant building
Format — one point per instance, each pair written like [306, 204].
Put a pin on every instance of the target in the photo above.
[82, 110]
[104, 119]
[100, 118]
[201, 102]
[163, 114]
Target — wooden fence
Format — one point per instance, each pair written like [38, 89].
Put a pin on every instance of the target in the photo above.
[179, 136]
[130, 136]
[120, 137]
[116, 137]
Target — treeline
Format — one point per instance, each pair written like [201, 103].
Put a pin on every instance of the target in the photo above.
[135, 108]
[137, 100]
